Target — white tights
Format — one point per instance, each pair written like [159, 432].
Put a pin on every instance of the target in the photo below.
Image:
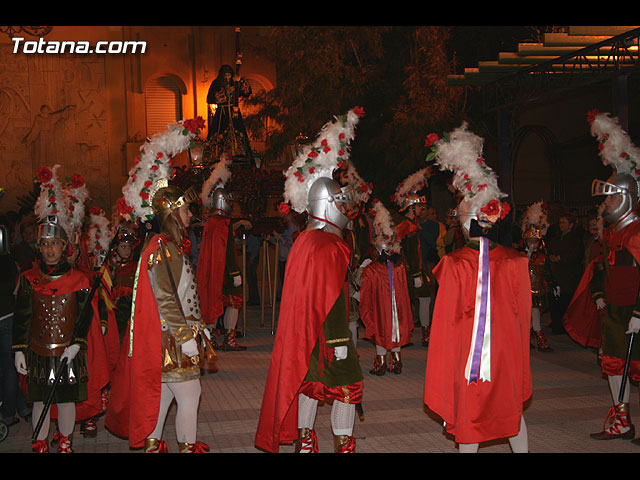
[66, 419]
[343, 415]
[383, 351]
[424, 312]
[519, 443]
[535, 319]
[187, 395]
[230, 318]
[615, 383]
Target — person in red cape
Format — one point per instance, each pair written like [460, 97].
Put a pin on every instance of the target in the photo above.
[610, 293]
[314, 357]
[159, 356]
[478, 373]
[218, 272]
[48, 328]
[385, 306]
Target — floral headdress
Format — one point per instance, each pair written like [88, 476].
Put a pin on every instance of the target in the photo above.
[360, 189]
[385, 234]
[329, 151]
[410, 186]
[51, 198]
[535, 216]
[153, 166]
[75, 195]
[616, 148]
[461, 153]
[100, 233]
[218, 178]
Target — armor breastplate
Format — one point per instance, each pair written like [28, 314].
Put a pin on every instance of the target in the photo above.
[536, 274]
[52, 323]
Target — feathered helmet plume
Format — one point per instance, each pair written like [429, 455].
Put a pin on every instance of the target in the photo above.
[385, 235]
[50, 207]
[616, 148]
[406, 193]
[461, 153]
[218, 178]
[100, 235]
[360, 189]
[75, 196]
[535, 220]
[153, 166]
[329, 151]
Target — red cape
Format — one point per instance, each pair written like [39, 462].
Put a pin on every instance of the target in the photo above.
[97, 362]
[375, 305]
[314, 278]
[487, 409]
[211, 267]
[582, 320]
[134, 399]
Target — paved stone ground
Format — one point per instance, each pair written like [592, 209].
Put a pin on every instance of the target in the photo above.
[570, 400]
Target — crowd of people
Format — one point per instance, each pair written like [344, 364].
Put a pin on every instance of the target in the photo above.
[90, 300]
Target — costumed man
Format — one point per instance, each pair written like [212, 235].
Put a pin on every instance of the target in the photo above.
[159, 359]
[357, 234]
[123, 269]
[385, 306]
[612, 280]
[218, 272]
[226, 130]
[49, 328]
[478, 373]
[412, 206]
[534, 228]
[314, 358]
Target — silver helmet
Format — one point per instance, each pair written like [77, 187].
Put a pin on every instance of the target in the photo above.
[413, 199]
[222, 202]
[626, 186]
[50, 227]
[322, 199]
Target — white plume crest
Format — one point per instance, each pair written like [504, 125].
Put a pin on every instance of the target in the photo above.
[100, 233]
[330, 150]
[219, 177]
[412, 184]
[75, 199]
[51, 201]
[154, 165]
[535, 216]
[384, 229]
[616, 148]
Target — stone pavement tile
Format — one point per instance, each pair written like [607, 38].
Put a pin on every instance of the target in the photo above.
[570, 400]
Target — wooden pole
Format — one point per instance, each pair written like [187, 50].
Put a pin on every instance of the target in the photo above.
[275, 288]
[264, 264]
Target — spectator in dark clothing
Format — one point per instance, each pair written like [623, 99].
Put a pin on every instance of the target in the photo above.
[13, 401]
[253, 257]
[566, 253]
[25, 252]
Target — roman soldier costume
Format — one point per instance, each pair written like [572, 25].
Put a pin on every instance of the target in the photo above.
[159, 359]
[316, 360]
[218, 271]
[478, 374]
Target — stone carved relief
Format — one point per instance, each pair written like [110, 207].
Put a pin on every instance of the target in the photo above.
[52, 110]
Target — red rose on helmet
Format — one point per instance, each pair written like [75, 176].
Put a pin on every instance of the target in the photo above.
[44, 174]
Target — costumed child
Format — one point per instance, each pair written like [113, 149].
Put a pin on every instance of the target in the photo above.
[160, 356]
[606, 306]
[412, 205]
[49, 328]
[478, 372]
[534, 228]
[314, 358]
[218, 272]
[385, 307]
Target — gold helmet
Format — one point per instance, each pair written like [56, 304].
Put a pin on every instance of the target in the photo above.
[168, 198]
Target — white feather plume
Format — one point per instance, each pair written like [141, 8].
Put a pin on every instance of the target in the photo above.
[218, 178]
[319, 159]
[616, 148]
[384, 229]
[100, 233]
[75, 199]
[535, 216]
[461, 153]
[412, 184]
[154, 165]
[51, 201]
